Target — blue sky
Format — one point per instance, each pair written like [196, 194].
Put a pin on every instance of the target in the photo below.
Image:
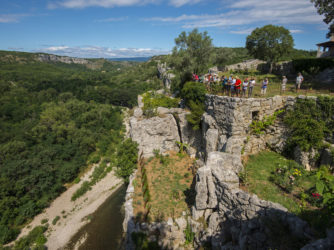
[129, 28]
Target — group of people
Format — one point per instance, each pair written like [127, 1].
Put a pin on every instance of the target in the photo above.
[234, 86]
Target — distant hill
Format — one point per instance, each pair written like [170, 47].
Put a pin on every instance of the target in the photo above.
[130, 59]
[15, 57]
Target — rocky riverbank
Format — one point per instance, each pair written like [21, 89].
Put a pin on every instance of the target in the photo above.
[73, 214]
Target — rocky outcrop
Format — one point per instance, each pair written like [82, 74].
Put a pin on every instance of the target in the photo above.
[237, 219]
[161, 132]
[165, 75]
[62, 59]
[129, 225]
[322, 244]
[223, 215]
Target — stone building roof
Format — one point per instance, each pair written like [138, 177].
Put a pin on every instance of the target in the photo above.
[328, 44]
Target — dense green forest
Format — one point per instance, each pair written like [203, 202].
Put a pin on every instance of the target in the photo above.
[55, 118]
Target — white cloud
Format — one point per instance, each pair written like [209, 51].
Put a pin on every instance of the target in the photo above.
[251, 12]
[112, 19]
[242, 32]
[179, 3]
[114, 3]
[11, 18]
[102, 52]
[97, 3]
[296, 31]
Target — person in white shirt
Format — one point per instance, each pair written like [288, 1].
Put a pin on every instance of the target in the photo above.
[283, 86]
[299, 81]
[251, 86]
[245, 85]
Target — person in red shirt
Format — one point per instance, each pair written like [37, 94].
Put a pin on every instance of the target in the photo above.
[237, 86]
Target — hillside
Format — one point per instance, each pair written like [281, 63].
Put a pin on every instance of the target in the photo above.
[56, 119]
[14, 57]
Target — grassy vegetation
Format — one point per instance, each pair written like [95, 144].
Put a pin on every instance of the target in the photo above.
[55, 220]
[169, 180]
[275, 178]
[153, 100]
[34, 240]
[258, 176]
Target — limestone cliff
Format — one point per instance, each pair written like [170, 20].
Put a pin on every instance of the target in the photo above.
[62, 59]
[223, 215]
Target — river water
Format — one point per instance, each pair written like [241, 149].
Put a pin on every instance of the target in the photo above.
[104, 231]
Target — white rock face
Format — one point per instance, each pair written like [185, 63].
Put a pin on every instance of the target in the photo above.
[138, 112]
[155, 133]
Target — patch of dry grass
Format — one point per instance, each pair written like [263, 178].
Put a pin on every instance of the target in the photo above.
[169, 182]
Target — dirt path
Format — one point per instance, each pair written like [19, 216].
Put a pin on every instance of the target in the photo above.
[73, 214]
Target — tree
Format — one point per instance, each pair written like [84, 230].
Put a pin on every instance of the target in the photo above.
[326, 8]
[270, 43]
[191, 54]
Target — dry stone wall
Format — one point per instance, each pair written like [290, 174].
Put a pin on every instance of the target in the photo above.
[226, 124]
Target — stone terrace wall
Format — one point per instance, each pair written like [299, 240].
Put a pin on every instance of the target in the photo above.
[226, 123]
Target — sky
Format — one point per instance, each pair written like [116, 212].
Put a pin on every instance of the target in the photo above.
[143, 28]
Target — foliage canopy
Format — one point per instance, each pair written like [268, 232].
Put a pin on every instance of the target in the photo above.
[269, 43]
[326, 8]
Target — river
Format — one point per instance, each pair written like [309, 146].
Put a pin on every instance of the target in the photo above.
[104, 231]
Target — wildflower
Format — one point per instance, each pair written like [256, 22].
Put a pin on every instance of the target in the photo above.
[297, 172]
[316, 195]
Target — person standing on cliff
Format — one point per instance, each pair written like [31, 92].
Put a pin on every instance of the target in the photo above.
[283, 86]
[251, 86]
[237, 86]
[245, 85]
[234, 80]
[228, 85]
[264, 86]
[299, 81]
[224, 82]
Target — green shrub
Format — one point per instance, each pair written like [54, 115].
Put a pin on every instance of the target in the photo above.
[8, 234]
[95, 158]
[324, 188]
[127, 156]
[43, 221]
[309, 122]
[194, 118]
[86, 186]
[312, 65]
[258, 127]
[141, 242]
[189, 234]
[152, 101]
[77, 180]
[288, 176]
[55, 220]
[193, 91]
[35, 239]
